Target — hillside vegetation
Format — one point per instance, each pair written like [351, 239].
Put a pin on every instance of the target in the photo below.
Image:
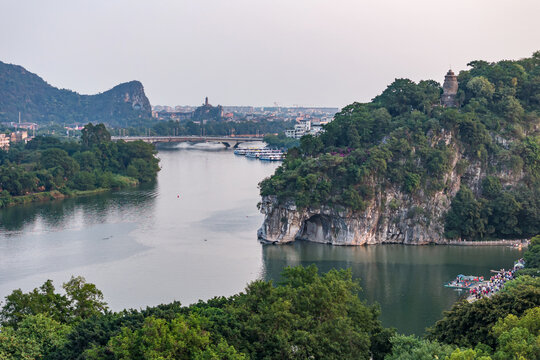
[25, 92]
[404, 140]
[47, 167]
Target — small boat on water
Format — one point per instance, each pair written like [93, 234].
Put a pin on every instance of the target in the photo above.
[272, 157]
[464, 282]
[244, 151]
[262, 154]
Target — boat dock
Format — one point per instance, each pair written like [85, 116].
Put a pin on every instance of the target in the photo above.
[479, 288]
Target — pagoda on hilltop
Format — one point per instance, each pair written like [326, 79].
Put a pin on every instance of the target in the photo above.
[208, 112]
[450, 88]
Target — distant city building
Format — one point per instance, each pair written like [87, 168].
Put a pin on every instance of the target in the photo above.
[174, 115]
[4, 141]
[19, 136]
[305, 127]
[450, 88]
[21, 125]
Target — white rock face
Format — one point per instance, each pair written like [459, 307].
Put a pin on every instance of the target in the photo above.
[407, 224]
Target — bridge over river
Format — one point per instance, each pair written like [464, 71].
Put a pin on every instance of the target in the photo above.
[228, 141]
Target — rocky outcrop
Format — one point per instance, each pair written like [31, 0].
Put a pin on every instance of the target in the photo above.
[392, 216]
[131, 93]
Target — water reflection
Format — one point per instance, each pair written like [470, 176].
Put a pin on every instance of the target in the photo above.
[405, 280]
[62, 235]
[76, 212]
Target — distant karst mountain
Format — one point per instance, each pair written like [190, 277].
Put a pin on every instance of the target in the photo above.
[27, 93]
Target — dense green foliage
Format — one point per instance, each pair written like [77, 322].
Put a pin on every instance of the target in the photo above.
[306, 316]
[281, 141]
[413, 348]
[517, 338]
[532, 256]
[39, 102]
[180, 338]
[82, 300]
[35, 324]
[404, 140]
[48, 164]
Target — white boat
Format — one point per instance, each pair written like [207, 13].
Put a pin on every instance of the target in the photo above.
[261, 153]
[272, 157]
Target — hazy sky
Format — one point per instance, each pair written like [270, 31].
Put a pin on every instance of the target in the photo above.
[257, 52]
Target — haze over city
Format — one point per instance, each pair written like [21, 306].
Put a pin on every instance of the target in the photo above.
[241, 52]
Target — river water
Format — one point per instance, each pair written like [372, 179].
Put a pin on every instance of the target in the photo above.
[192, 236]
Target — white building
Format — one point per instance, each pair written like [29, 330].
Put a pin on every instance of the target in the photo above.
[301, 128]
[304, 127]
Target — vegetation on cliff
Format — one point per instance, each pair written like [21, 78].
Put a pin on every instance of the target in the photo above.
[404, 140]
[47, 166]
[25, 92]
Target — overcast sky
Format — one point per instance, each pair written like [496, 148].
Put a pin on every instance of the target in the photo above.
[260, 52]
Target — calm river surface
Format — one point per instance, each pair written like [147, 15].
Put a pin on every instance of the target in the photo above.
[193, 236]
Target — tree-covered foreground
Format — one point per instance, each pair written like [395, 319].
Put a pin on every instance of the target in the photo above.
[48, 167]
[306, 316]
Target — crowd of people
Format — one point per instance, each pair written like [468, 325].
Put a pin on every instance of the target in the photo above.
[495, 283]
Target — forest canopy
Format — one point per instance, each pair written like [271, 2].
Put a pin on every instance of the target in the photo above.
[307, 315]
[47, 164]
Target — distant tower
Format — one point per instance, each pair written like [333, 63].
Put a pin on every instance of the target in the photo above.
[450, 88]
[206, 101]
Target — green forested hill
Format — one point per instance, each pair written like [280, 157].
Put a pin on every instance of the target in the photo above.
[27, 93]
[403, 142]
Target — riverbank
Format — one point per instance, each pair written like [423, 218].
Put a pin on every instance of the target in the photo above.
[67, 193]
[51, 195]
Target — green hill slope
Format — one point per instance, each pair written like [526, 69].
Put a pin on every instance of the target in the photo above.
[39, 102]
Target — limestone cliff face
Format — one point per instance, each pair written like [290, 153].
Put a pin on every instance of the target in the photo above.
[392, 216]
[412, 222]
[131, 93]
